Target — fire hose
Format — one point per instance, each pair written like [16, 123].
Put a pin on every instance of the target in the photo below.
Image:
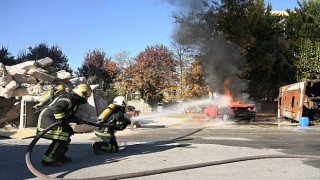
[150, 172]
[38, 136]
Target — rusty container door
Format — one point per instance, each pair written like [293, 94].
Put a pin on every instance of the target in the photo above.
[291, 101]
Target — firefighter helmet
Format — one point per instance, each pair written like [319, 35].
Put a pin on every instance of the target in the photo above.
[60, 88]
[120, 101]
[83, 90]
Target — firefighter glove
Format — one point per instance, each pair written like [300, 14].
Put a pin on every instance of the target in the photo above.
[127, 120]
[36, 107]
[122, 124]
[100, 123]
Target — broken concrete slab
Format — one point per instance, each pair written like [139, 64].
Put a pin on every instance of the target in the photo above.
[19, 92]
[23, 78]
[11, 115]
[5, 92]
[35, 78]
[62, 74]
[79, 80]
[2, 70]
[50, 70]
[13, 70]
[12, 85]
[41, 75]
[35, 89]
[45, 62]
[26, 65]
[4, 80]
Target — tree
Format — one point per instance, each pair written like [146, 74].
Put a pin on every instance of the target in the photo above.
[221, 58]
[270, 58]
[241, 41]
[152, 73]
[307, 15]
[308, 62]
[184, 56]
[122, 81]
[42, 50]
[234, 21]
[303, 28]
[98, 69]
[6, 58]
[196, 87]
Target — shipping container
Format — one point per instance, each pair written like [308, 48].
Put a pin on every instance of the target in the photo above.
[300, 99]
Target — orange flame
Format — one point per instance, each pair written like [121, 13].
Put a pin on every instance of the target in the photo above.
[227, 92]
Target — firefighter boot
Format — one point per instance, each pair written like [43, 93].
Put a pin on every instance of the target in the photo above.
[96, 146]
[64, 159]
[51, 164]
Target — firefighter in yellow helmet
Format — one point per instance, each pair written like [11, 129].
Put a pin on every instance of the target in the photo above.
[61, 109]
[113, 115]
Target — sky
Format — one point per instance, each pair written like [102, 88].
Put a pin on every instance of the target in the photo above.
[80, 26]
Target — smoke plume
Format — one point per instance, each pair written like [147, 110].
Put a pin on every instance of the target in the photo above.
[222, 59]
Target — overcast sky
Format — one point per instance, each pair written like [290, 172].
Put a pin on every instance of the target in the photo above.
[78, 26]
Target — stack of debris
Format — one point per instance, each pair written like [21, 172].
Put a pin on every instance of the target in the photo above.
[30, 78]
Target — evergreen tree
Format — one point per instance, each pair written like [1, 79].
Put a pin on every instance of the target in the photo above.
[42, 50]
[6, 58]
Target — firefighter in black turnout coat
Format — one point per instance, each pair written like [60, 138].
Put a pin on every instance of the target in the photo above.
[61, 109]
[113, 115]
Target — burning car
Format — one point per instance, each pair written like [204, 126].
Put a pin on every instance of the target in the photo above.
[237, 112]
[241, 111]
[225, 106]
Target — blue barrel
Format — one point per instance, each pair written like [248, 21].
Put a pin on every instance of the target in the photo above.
[304, 121]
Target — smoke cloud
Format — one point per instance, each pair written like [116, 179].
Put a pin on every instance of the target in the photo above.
[222, 60]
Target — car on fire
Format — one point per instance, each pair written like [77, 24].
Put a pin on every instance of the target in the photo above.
[236, 111]
[243, 111]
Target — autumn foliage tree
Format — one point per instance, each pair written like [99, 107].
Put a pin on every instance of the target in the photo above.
[153, 73]
[184, 55]
[122, 83]
[196, 86]
[98, 69]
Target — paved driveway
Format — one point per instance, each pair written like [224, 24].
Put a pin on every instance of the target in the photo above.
[171, 142]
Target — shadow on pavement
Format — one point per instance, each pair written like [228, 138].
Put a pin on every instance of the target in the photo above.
[13, 164]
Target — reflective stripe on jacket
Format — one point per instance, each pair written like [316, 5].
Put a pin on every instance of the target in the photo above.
[62, 108]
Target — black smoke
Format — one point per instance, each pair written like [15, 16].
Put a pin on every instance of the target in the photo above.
[221, 59]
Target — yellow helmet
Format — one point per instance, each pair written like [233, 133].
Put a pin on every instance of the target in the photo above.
[60, 88]
[83, 90]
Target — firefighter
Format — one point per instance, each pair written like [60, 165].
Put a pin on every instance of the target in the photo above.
[48, 97]
[61, 109]
[114, 115]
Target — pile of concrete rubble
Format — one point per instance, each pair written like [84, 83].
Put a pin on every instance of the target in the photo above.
[30, 78]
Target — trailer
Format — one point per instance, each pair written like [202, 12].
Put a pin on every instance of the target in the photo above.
[300, 99]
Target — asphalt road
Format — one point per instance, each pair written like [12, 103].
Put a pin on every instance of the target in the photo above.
[175, 142]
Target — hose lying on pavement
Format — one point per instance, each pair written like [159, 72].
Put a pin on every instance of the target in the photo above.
[36, 139]
[199, 165]
[156, 171]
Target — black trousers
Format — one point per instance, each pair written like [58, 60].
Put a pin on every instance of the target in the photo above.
[108, 144]
[56, 151]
